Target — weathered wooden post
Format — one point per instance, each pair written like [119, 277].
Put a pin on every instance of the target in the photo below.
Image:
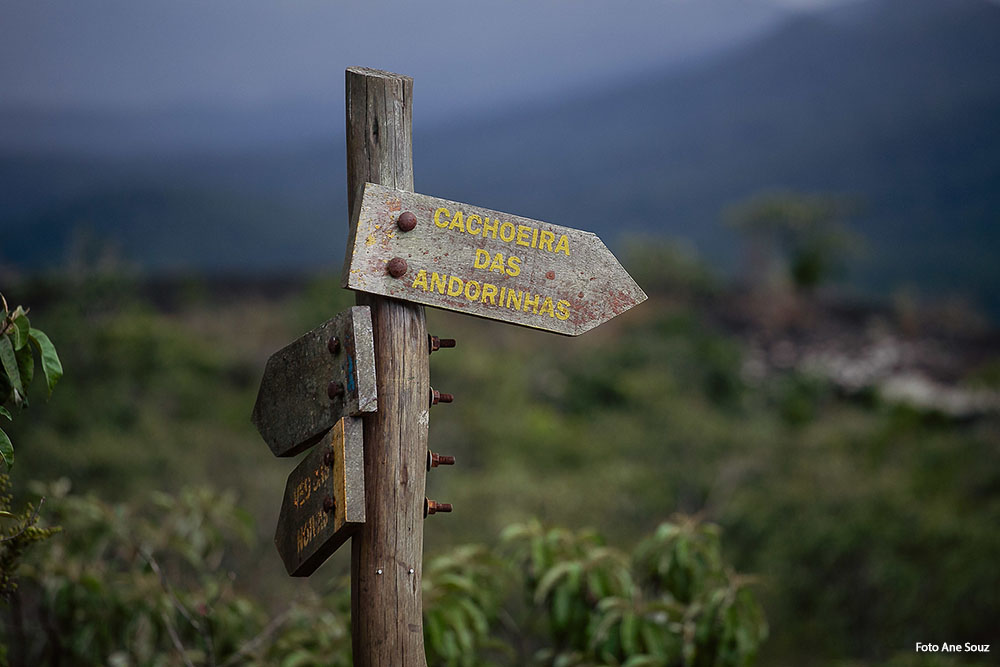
[387, 552]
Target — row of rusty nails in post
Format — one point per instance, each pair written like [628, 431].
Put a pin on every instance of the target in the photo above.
[430, 506]
[407, 221]
[334, 389]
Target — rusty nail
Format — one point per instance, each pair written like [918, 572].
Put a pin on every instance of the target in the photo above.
[440, 397]
[333, 345]
[434, 460]
[334, 389]
[437, 343]
[432, 507]
[328, 459]
[328, 504]
[397, 267]
[406, 221]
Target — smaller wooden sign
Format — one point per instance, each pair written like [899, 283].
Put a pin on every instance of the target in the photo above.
[324, 500]
[308, 385]
[485, 263]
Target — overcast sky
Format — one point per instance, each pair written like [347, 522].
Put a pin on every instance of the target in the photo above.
[464, 54]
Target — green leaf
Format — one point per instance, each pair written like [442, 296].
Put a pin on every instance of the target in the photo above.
[551, 578]
[51, 365]
[9, 361]
[629, 634]
[6, 449]
[561, 601]
[6, 413]
[25, 365]
[21, 329]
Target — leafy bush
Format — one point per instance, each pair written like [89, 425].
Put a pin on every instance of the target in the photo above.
[17, 366]
[152, 584]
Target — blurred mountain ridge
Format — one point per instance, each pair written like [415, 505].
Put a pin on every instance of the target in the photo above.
[894, 101]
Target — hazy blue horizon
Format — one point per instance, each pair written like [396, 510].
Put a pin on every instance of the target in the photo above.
[168, 55]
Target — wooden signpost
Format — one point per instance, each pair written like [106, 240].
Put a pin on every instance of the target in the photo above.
[486, 263]
[358, 387]
[324, 500]
[313, 382]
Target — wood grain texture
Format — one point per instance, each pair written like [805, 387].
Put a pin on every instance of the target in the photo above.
[293, 408]
[486, 263]
[309, 531]
[387, 553]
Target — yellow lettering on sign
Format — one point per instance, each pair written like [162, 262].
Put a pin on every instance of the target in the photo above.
[528, 301]
[437, 217]
[304, 489]
[310, 529]
[546, 241]
[515, 299]
[522, 236]
[490, 227]
[507, 231]
[490, 292]
[438, 282]
[563, 245]
[477, 292]
[470, 294]
[497, 264]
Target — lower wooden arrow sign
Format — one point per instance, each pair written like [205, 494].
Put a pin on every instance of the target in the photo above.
[311, 383]
[324, 500]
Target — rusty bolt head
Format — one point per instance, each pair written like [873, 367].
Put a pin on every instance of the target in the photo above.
[406, 221]
[334, 389]
[440, 397]
[328, 504]
[434, 460]
[396, 267]
[437, 343]
[432, 507]
[333, 345]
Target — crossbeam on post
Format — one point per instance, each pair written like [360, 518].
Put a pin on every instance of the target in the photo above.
[387, 552]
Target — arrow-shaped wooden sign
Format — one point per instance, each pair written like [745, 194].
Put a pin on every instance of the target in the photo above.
[317, 379]
[487, 263]
[324, 500]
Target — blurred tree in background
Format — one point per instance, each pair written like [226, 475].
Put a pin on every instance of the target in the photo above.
[803, 236]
